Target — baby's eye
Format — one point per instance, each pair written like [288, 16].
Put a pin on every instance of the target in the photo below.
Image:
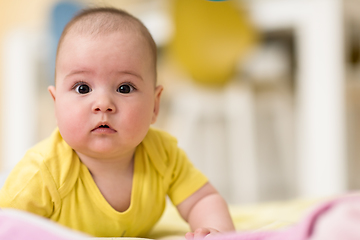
[125, 88]
[82, 89]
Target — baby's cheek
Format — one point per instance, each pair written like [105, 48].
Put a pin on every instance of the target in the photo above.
[139, 115]
[137, 124]
[71, 127]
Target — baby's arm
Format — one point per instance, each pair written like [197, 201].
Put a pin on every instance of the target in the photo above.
[206, 212]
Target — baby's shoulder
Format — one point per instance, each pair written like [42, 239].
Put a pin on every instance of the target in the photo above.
[159, 140]
[55, 158]
[50, 150]
[161, 148]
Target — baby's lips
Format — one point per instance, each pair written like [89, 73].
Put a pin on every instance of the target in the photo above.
[103, 130]
[103, 127]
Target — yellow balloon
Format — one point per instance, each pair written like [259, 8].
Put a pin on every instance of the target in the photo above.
[211, 38]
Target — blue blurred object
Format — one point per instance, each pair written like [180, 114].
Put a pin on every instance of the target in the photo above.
[61, 14]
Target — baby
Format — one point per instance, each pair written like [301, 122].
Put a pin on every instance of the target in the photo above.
[104, 171]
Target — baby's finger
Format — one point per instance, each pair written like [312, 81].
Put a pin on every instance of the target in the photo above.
[200, 233]
[189, 236]
[212, 234]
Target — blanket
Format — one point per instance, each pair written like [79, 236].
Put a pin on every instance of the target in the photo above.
[246, 217]
[333, 219]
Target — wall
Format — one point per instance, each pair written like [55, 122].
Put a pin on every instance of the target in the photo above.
[20, 14]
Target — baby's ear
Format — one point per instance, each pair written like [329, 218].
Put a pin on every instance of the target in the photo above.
[51, 90]
[158, 92]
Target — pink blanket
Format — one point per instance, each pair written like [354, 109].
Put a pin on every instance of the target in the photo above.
[19, 225]
[338, 219]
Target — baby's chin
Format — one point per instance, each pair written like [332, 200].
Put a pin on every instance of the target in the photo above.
[103, 153]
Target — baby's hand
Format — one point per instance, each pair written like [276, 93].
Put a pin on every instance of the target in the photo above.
[201, 233]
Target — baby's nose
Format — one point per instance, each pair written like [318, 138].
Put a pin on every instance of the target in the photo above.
[104, 104]
[100, 109]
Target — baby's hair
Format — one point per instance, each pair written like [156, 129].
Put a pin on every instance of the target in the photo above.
[106, 20]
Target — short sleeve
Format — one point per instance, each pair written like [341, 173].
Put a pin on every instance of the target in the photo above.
[179, 176]
[186, 179]
[30, 188]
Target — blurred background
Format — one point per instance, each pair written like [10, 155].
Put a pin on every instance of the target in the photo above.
[262, 94]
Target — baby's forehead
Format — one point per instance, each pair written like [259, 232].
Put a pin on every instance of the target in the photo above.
[122, 39]
[100, 22]
[82, 51]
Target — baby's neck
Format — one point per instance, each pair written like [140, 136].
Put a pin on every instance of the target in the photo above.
[108, 174]
[109, 166]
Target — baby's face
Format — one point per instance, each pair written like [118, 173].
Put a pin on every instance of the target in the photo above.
[105, 98]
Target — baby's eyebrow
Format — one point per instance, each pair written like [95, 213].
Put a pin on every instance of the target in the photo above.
[75, 72]
[130, 73]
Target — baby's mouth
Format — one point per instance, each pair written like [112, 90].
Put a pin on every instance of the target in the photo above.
[103, 128]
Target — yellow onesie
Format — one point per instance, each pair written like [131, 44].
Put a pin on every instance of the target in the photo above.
[52, 182]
